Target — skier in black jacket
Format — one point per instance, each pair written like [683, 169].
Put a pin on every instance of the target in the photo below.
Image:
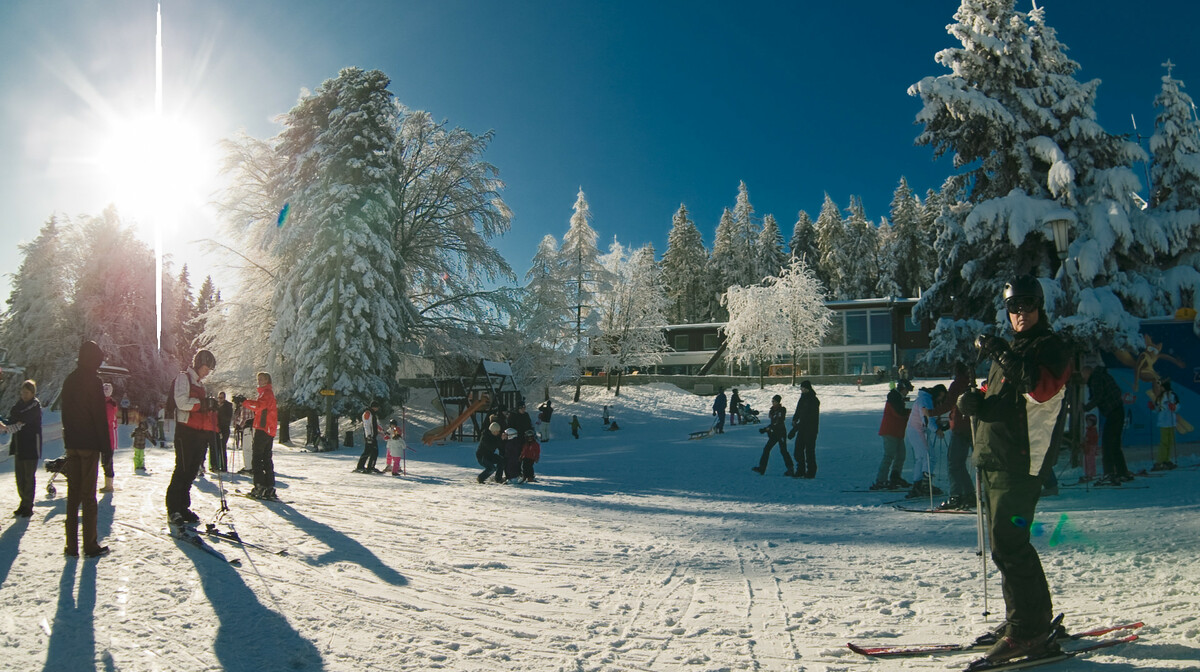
[1106, 395]
[487, 454]
[804, 427]
[776, 433]
[1018, 427]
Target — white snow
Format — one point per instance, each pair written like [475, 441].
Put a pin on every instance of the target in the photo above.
[637, 550]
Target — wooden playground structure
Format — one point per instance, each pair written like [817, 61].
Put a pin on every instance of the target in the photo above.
[466, 401]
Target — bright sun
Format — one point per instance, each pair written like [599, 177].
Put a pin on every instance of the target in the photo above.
[154, 165]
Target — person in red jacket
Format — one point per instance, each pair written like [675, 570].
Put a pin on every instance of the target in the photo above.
[530, 452]
[895, 418]
[195, 423]
[266, 424]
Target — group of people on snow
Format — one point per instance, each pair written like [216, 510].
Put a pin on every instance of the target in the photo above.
[509, 447]
[805, 424]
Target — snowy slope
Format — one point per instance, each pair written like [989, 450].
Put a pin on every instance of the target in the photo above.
[637, 550]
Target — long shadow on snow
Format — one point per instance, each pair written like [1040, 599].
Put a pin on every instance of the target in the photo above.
[10, 543]
[249, 635]
[341, 547]
[72, 644]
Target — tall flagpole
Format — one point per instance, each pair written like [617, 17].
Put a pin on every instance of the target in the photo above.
[158, 244]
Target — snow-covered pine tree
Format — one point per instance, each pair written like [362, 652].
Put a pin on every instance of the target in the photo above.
[832, 247]
[683, 272]
[1024, 131]
[336, 304]
[862, 246]
[744, 241]
[769, 257]
[889, 261]
[801, 298]
[1175, 151]
[584, 277]
[913, 243]
[544, 323]
[185, 318]
[721, 265]
[804, 240]
[633, 312]
[38, 332]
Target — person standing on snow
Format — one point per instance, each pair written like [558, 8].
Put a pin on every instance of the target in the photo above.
[266, 424]
[25, 423]
[195, 426]
[962, 490]
[917, 436]
[545, 412]
[776, 433]
[805, 423]
[1106, 395]
[531, 452]
[1019, 423]
[85, 438]
[1166, 403]
[735, 408]
[218, 456]
[891, 428]
[106, 459]
[718, 409]
[371, 429]
[520, 420]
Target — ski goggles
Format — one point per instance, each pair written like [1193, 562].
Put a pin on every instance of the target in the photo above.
[1021, 304]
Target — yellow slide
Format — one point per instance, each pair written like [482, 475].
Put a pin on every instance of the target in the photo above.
[439, 433]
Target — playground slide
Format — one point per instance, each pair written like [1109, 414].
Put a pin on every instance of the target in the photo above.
[439, 433]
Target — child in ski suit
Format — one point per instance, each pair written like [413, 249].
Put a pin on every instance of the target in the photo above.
[1166, 405]
[575, 426]
[395, 448]
[531, 452]
[140, 433]
[106, 460]
[511, 455]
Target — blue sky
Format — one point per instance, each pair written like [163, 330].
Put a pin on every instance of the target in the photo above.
[643, 104]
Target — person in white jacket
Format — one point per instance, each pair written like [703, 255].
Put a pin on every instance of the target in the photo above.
[395, 448]
[916, 433]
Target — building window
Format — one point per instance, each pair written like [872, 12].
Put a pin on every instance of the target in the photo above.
[837, 330]
[856, 327]
[710, 341]
[881, 327]
[910, 325]
[858, 363]
[833, 364]
[881, 360]
[681, 343]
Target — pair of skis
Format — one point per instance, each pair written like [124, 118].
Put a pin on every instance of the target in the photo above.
[912, 650]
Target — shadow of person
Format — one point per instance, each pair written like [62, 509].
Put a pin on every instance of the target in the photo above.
[249, 635]
[10, 543]
[72, 644]
[341, 547]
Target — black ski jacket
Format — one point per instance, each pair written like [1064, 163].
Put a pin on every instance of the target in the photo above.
[26, 442]
[1106, 394]
[808, 414]
[84, 418]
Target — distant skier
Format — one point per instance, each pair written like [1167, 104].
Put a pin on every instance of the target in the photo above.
[735, 408]
[575, 426]
[545, 412]
[891, 428]
[805, 423]
[1106, 396]
[776, 433]
[371, 430]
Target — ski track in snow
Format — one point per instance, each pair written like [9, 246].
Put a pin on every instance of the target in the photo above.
[636, 550]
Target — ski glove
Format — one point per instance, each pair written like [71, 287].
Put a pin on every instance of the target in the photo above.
[970, 403]
[997, 350]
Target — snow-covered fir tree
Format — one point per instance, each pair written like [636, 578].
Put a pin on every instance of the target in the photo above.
[585, 277]
[37, 330]
[769, 256]
[912, 241]
[336, 306]
[544, 322]
[1175, 152]
[803, 244]
[833, 260]
[684, 276]
[862, 247]
[1023, 131]
[889, 261]
[743, 241]
[632, 312]
[721, 265]
[185, 328]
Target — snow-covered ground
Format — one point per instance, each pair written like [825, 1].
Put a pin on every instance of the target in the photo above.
[637, 550]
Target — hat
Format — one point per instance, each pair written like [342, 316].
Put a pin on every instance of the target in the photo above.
[529, 434]
[806, 384]
[510, 433]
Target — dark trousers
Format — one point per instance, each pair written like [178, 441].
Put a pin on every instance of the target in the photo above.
[370, 454]
[527, 469]
[106, 460]
[1110, 444]
[773, 441]
[26, 472]
[490, 463]
[720, 426]
[218, 454]
[806, 454]
[190, 446]
[1012, 499]
[960, 479]
[262, 462]
[81, 470]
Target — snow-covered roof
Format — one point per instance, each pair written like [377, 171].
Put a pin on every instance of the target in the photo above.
[496, 368]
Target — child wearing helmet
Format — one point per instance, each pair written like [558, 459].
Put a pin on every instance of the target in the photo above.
[512, 455]
[395, 447]
[531, 452]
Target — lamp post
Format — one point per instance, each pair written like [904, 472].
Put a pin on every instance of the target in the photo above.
[1060, 228]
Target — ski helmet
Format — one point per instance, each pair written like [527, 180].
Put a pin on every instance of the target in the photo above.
[510, 433]
[1023, 287]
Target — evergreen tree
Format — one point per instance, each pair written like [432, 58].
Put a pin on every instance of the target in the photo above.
[769, 257]
[185, 328]
[336, 308]
[684, 276]
[206, 300]
[833, 261]
[804, 240]
[889, 261]
[584, 277]
[37, 330]
[1175, 150]
[862, 246]
[744, 241]
[913, 241]
[721, 271]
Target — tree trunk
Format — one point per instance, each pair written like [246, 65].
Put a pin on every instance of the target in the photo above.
[608, 380]
[762, 381]
[578, 384]
[619, 374]
[285, 417]
[793, 369]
